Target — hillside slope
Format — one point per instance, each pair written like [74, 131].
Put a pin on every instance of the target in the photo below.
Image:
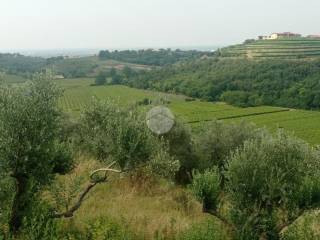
[280, 48]
[242, 82]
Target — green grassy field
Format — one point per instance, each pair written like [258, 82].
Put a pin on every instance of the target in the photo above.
[305, 124]
[284, 48]
[12, 78]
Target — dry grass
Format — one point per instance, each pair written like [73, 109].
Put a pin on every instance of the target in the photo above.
[149, 208]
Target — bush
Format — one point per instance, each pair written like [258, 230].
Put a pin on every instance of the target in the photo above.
[272, 181]
[101, 79]
[181, 147]
[113, 133]
[206, 187]
[217, 141]
[144, 102]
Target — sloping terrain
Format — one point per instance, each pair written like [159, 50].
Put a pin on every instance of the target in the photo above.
[280, 48]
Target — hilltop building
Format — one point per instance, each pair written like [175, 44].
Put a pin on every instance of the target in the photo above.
[274, 36]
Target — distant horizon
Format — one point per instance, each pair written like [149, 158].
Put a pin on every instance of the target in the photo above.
[42, 52]
[125, 24]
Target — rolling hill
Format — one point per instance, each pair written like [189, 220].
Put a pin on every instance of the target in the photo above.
[279, 48]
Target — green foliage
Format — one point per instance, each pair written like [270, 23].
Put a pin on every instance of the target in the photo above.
[181, 147]
[21, 65]
[207, 230]
[74, 67]
[109, 131]
[78, 94]
[241, 98]
[162, 163]
[151, 57]
[101, 79]
[206, 187]
[285, 48]
[38, 225]
[29, 139]
[218, 140]
[272, 181]
[120, 134]
[243, 82]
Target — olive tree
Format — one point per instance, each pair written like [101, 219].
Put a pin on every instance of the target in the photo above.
[181, 147]
[120, 134]
[218, 140]
[272, 183]
[30, 149]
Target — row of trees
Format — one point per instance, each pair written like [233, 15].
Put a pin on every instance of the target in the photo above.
[289, 83]
[159, 57]
[21, 65]
[114, 76]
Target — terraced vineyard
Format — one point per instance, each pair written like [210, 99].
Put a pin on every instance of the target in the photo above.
[305, 124]
[79, 93]
[284, 48]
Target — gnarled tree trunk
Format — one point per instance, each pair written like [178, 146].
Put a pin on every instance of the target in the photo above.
[19, 204]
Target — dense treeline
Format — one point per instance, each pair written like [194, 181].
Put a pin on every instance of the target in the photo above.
[26, 66]
[21, 65]
[240, 82]
[159, 57]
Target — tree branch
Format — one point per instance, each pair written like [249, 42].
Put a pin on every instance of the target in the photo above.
[69, 213]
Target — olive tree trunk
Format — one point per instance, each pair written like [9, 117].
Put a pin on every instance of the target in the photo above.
[19, 204]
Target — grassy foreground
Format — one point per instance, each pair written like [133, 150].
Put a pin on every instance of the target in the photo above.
[147, 209]
[305, 124]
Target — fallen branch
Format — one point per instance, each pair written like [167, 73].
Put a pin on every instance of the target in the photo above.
[69, 213]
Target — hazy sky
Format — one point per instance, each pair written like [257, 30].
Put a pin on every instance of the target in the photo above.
[45, 24]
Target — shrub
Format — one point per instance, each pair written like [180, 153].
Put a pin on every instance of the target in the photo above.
[217, 141]
[101, 79]
[181, 147]
[113, 133]
[271, 183]
[144, 102]
[206, 187]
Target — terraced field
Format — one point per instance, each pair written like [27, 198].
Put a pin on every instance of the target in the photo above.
[305, 124]
[284, 48]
